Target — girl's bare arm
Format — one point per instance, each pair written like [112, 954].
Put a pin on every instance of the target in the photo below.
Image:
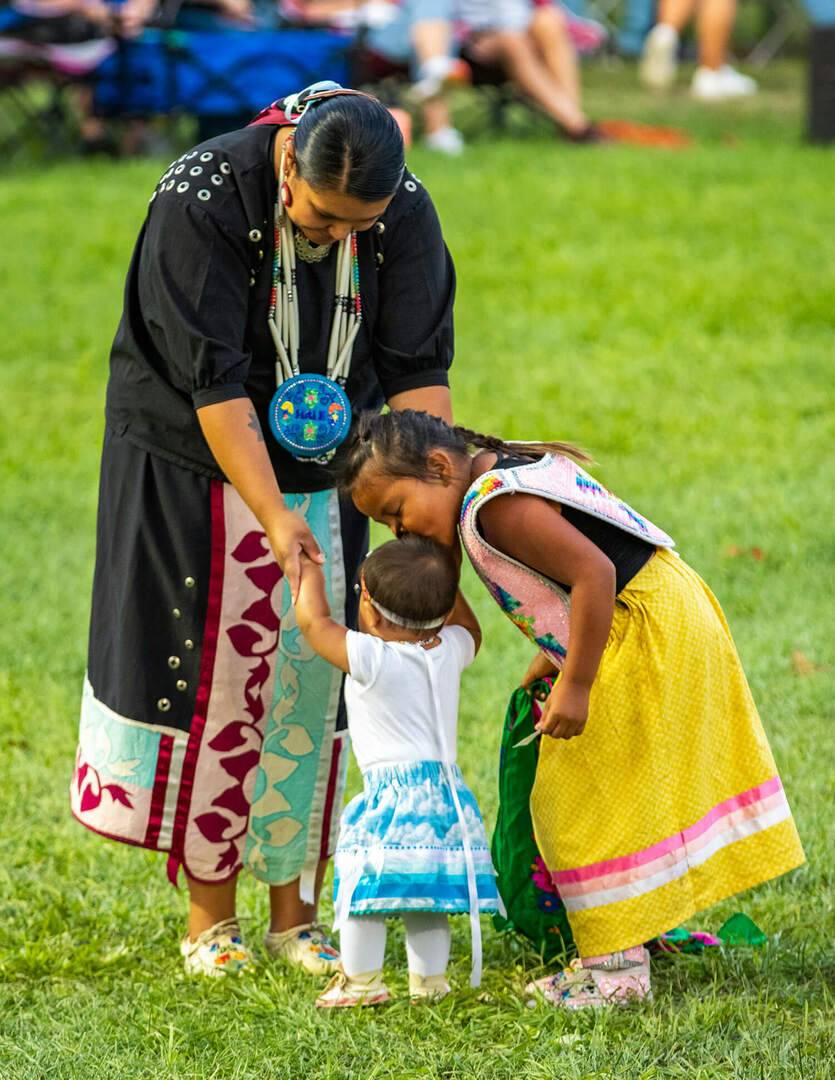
[463, 615]
[534, 532]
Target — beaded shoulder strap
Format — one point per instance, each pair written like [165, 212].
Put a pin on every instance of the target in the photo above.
[535, 604]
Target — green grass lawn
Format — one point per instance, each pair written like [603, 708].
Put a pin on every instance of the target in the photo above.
[671, 311]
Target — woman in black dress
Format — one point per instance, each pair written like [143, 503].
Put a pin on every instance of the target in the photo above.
[209, 730]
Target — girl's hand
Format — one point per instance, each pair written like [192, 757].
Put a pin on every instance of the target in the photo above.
[290, 538]
[566, 711]
[538, 668]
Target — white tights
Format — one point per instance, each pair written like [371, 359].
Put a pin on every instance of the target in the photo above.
[362, 942]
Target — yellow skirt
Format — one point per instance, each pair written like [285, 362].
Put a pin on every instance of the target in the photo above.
[670, 800]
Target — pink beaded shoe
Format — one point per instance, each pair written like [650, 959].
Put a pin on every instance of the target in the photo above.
[618, 979]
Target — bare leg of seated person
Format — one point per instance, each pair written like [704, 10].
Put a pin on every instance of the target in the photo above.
[549, 31]
[518, 57]
[436, 69]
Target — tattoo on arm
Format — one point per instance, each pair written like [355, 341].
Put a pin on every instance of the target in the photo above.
[255, 425]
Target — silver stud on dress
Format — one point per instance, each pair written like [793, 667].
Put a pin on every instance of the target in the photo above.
[225, 168]
[182, 684]
[410, 185]
[195, 170]
[173, 662]
[182, 186]
[163, 704]
[217, 180]
[177, 613]
[169, 185]
[206, 156]
[189, 644]
[380, 227]
[179, 169]
[255, 235]
[189, 582]
[204, 195]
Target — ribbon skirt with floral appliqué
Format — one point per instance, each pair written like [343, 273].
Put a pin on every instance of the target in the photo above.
[670, 800]
[209, 729]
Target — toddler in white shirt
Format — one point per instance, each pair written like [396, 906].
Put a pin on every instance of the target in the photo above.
[412, 843]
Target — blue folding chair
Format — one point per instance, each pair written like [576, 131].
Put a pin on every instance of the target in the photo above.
[220, 73]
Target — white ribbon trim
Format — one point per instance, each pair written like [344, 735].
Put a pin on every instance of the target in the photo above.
[472, 889]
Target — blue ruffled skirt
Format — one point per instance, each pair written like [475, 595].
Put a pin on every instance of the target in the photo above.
[401, 846]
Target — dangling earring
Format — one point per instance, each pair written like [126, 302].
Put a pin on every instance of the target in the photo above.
[286, 194]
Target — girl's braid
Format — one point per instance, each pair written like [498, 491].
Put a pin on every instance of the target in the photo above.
[401, 441]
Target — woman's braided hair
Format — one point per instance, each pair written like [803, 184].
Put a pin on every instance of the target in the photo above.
[400, 442]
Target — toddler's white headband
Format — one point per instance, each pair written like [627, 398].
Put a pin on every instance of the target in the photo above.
[407, 624]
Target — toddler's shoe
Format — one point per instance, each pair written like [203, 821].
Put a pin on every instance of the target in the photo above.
[306, 946]
[619, 979]
[427, 987]
[343, 992]
[659, 60]
[217, 951]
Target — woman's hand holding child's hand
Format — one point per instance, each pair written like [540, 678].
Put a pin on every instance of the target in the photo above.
[566, 711]
[292, 541]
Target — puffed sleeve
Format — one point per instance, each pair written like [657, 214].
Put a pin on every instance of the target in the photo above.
[365, 655]
[413, 340]
[194, 290]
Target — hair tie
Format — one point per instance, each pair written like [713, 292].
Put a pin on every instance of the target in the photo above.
[296, 105]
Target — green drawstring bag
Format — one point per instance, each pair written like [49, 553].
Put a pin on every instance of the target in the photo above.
[534, 908]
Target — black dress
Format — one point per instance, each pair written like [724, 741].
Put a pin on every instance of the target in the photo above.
[202, 702]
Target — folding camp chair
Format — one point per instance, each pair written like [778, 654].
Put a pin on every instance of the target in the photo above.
[38, 70]
[787, 18]
[223, 73]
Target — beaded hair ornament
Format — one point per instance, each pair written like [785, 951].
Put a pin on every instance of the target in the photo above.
[310, 415]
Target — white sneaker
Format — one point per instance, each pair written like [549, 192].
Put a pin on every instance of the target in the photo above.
[438, 74]
[721, 84]
[343, 992]
[217, 951]
[304, 946]
[659, 60]
[446, 140]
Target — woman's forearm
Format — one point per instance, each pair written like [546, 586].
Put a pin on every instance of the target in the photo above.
[234, 435]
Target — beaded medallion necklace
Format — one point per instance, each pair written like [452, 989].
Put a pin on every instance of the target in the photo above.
[310, 415]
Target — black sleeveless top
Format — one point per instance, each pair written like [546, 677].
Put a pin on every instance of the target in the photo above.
[628, 553]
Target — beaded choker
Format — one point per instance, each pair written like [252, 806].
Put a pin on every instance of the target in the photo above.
[310, 415]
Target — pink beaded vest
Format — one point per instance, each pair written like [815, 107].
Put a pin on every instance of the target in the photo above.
[539, 607]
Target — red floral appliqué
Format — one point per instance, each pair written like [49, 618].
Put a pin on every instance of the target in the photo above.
[541, 877]
[92, 790]
[255, 637]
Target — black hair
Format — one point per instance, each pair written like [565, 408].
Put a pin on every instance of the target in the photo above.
[414, 578]
[351, 144]
[400, 443]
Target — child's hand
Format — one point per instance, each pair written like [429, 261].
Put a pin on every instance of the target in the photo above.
[566, 711]
[538, 668]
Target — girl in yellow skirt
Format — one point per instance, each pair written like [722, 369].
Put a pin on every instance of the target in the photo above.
[656, 792]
